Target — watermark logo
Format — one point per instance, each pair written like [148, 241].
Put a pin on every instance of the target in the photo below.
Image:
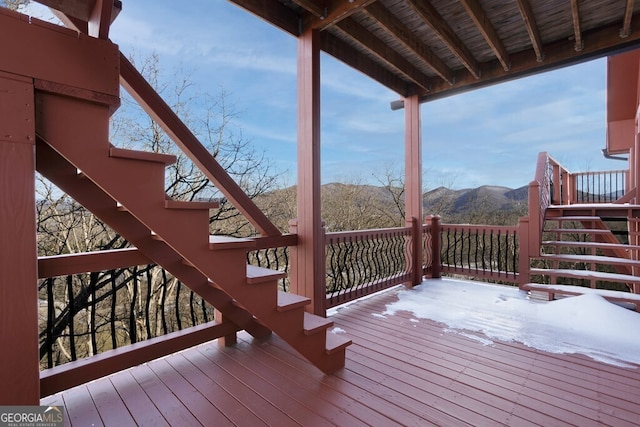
[31, 416]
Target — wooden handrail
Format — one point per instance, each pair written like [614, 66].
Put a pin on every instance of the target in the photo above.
[86, 262]
[160, 112]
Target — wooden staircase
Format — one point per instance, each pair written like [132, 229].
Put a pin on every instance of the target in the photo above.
[580, 248]
[125, 189]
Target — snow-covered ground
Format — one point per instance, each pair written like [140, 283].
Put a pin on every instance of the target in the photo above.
[586, 324]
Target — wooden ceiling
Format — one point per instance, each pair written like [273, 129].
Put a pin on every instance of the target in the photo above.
[436, 48]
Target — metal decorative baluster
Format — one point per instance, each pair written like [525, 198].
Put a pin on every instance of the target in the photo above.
[132, 308]
[114, 305]
[72, 312]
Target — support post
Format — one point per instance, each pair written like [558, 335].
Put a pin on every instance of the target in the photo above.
[524, 264]
[226, 340]
[535, 224]
[413, 180]
[308, 274]
[19, 358]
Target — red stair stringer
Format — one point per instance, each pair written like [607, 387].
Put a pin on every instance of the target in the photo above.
[78, 131]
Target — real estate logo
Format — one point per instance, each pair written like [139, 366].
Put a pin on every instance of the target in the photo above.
[31, 416]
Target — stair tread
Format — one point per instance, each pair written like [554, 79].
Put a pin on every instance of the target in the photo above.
[191, 204]
[336, 342]
[228, 242]
[587, 274]
[578, 230]
[288, 301]
[574, 218]
[578, 290]
[591, 258]
[257, 274]
[314, 324]
[591, 244]
[125, 153]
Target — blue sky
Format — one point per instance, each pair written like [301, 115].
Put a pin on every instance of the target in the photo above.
[486, 137]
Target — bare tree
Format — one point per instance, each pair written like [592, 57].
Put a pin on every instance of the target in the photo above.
[14, 4]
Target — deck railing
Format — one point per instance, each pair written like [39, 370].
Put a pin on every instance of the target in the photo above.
[599, 187]
[362, 262]
[481, 251]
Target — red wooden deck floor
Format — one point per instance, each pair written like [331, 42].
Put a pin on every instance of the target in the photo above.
[398, 372]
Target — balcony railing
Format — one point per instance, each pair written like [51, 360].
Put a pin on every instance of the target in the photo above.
[362, 262]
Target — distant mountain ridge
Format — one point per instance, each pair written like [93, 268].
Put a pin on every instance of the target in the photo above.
[489, 197]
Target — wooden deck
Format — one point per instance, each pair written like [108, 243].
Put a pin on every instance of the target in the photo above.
[398, 372]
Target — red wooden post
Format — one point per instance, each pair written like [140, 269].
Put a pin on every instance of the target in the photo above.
[524, 264]
[226, 340]
[436, 261]
[19, 358]
[535, 225]
[413, 181]
[308, 276]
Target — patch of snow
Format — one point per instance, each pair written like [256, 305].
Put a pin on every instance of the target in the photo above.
[337, 330]
[586, 324]
[379, 315]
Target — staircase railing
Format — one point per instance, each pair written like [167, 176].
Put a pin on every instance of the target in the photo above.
[159, 111]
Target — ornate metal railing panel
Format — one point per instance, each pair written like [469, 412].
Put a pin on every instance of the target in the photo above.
[362, 262]
[487, 252]
[82, 315]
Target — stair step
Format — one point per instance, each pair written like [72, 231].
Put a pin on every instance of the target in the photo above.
[336, 342]
[578, 230]
[591, 245]
[587, 274]
[257, 275]
[196, 204]
[574, 218]
[149, 156]
[314, 324]
[288, 301]
[226, 242]
[590, 259]
[580, 290]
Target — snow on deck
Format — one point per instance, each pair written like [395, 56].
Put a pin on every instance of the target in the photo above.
[586, 324]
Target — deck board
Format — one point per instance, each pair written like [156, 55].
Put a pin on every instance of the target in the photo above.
[399, 371]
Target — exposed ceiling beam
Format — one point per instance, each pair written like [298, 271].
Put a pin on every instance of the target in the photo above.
[383, 52]
[532, 28]
[597, 43]
[273, 12]
[353, 58]
[337, 10]
[575, 14]
[432, 18]
[626, 24]
[394, 26]
[319, 11]
[479, 17]
[100, 19]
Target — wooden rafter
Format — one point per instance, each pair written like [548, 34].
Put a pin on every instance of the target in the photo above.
[444, 31]
[336, 10]
[532, 28]
[626, 24]
[350, 56]
[319, 11]
[383, 52]
[100, 19]
[274, 12]
[575, 14]
[479, 17]
[597, 43]
[394, 26]
[80, 10]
